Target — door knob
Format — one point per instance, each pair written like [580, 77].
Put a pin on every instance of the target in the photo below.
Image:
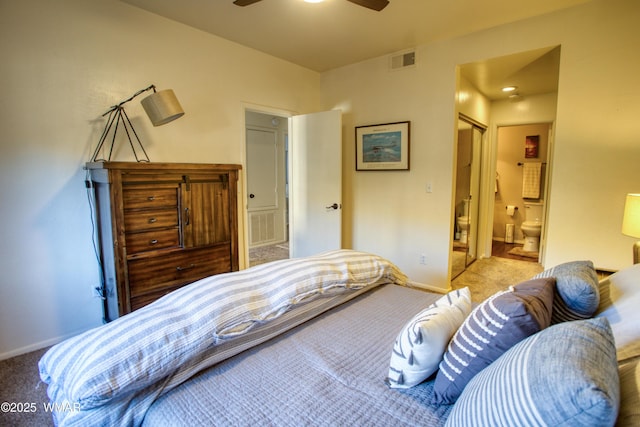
[251, 196]
[334, 206]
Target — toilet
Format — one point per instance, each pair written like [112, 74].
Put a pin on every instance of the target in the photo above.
[463, 222]
[532, 226]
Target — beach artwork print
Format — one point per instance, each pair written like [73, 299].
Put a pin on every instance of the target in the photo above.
[382, 147]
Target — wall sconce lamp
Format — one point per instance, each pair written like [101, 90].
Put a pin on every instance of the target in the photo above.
[162, 107]
[631, 222]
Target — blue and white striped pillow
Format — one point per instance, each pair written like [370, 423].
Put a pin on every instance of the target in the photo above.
[577, 295]
[492, 328]
[565, 375]
[419, 347]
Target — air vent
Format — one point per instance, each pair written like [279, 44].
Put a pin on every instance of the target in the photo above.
[403, 60]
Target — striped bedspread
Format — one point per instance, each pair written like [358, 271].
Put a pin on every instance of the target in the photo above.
[112, 374]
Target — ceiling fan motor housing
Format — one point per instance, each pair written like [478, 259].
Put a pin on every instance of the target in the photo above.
[377, 5]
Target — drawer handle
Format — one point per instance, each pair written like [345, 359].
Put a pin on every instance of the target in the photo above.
[152, 220]
[151, 198]
[153, 242]
[186, 268]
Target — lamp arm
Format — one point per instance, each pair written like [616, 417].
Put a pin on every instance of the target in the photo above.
[117, 106]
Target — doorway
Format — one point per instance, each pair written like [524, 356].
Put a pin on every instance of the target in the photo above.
[267, 144]
[534, 76]
[306, 193]
[521, 198]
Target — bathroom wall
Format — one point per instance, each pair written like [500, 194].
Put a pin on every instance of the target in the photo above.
[510, 152]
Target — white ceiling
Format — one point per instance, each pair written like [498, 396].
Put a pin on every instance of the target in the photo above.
[335, 33]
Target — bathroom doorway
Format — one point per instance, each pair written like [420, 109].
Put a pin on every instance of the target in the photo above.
[521, 190]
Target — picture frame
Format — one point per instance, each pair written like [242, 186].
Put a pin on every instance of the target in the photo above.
[383, 147]
[531, 144]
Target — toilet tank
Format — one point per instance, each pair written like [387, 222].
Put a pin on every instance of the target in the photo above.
[533, 211]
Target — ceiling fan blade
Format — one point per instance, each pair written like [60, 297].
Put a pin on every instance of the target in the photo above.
[372, 4]
[245, 2]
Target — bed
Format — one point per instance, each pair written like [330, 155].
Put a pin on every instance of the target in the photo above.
[342, 338]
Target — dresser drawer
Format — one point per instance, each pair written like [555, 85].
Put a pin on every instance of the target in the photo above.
[155, 274]
[144, 299]
[152, 240]
[146, 220]
[150, 197]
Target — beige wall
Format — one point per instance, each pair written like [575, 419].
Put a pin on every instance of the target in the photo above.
[64, 63]
[596, 139]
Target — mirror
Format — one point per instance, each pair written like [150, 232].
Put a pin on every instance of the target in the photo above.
[466, 195]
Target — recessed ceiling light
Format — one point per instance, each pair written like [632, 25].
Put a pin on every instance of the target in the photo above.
[313, 1]
[509, 88]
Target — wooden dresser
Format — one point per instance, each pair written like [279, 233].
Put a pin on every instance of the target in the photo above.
[161, 226]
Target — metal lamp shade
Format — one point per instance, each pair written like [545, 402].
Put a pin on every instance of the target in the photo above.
[162, 107]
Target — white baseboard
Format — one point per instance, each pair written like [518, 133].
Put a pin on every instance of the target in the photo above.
[426, 287]
[501, 239]
[37, 346]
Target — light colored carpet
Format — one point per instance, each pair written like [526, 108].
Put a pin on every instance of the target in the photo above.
[489, 275]
[20, 384]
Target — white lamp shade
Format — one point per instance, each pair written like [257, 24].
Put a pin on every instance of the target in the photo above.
[162, 107]
[631, 220]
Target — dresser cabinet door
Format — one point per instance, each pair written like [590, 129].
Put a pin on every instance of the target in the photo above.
[205, 211]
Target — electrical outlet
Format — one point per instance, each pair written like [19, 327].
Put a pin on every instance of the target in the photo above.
[423, 259]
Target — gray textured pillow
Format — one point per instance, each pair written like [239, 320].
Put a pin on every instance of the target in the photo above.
[577, 295]
[492, 328]
[564, 375]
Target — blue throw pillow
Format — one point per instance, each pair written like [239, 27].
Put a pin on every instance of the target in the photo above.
[565, 375]
[492, 328]
[577, 295]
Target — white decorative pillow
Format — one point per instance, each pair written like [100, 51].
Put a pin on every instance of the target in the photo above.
[629, 414]
[418, 350]
[620, 303]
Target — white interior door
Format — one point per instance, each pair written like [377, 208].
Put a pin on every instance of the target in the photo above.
[261, 160]
[262, 186]
[315, 183]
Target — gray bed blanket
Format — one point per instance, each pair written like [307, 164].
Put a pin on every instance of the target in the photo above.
[329, 371]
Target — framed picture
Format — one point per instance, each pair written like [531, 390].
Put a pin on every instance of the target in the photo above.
[383, 147]
[531, 147]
